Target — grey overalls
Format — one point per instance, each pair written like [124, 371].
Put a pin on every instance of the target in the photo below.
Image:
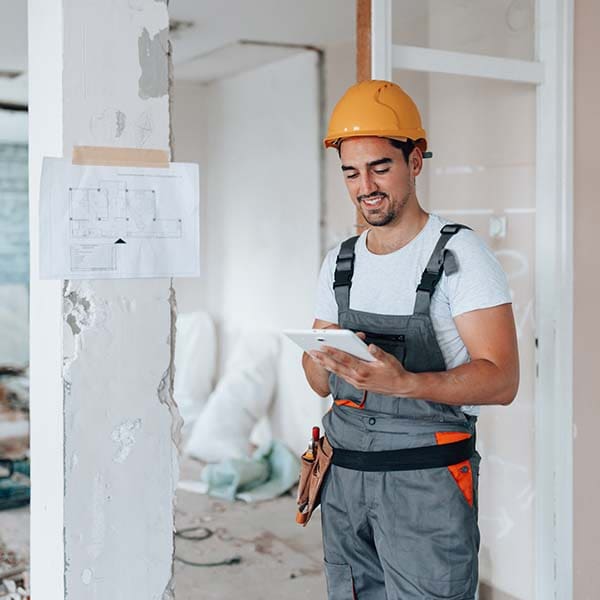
[398, 534]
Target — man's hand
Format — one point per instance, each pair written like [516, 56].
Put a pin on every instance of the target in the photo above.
[316, 375]
[385, 375]
[490, 377]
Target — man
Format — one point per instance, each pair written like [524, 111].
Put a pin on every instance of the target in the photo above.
[399, 504]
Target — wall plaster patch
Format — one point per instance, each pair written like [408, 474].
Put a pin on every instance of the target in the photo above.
[86, 576]
[153, 51]
[166, 384]
[107, 126]
[78, 309]
[124, 437]
[143, 128]
[166, 397]
[97, 532]
[121, 122]
[79, 313]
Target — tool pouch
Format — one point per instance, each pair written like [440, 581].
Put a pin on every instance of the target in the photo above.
[313, 470]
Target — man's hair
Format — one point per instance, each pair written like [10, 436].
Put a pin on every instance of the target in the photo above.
[407, 147]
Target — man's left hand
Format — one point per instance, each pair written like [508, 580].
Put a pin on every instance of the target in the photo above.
[385, 375]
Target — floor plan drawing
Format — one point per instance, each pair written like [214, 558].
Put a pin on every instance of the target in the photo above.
[110, 222]
[93, 257]
[113, 210]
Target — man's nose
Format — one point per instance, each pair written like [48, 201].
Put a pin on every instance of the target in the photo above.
[367, 185]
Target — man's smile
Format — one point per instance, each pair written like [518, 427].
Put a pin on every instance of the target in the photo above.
[373, 202]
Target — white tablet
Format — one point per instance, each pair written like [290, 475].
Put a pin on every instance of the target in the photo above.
[342, 339]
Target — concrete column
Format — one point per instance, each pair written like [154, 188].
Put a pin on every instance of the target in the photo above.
[104, 426]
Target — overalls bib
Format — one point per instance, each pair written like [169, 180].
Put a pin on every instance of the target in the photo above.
[410, 534]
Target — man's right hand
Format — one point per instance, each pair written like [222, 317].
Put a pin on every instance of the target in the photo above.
[316, 375]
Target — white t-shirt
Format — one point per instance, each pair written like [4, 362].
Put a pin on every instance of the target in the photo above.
[387, 283]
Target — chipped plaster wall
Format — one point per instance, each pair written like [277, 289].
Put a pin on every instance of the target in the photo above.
[119, 459]
[120, 425]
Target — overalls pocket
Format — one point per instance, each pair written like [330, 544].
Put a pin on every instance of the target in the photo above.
[345, 394]
[394, 344]
[461, 473]
[339, 582]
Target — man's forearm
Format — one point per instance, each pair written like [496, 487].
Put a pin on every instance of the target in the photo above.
[317, 377]
[476, 382]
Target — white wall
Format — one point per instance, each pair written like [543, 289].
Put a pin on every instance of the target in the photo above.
[340, 216]
[189, 131]
[259, 162]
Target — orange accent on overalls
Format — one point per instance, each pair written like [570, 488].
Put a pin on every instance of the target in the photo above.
[352, 403]
[461, 472]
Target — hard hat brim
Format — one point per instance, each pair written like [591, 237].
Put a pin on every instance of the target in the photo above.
[335, 141]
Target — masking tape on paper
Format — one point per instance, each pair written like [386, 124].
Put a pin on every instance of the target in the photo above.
[120, 157]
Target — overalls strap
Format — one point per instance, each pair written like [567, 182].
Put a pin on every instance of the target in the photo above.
[441, 259]
[344, 269]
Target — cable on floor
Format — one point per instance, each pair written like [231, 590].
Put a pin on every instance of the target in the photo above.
[204, 533]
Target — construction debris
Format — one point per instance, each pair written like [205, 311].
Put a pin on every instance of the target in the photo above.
[14, 576]
[15, 589]
[14, 437]
[14, 389]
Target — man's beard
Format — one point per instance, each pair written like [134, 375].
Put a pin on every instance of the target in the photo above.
[381, 219]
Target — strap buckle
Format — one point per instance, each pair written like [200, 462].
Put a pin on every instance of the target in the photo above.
[344, 267]
[451, 228]
[429, 280]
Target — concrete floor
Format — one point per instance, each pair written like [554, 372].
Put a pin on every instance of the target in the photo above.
[279, 559]
[14, 523]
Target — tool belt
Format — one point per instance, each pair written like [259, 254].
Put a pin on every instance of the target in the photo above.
[408, 459]
[315, 464]
[313, 468]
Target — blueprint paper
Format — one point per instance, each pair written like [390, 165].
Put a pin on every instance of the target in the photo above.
[118, 222]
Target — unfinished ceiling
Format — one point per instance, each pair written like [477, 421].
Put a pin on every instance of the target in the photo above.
[214, 39]
[208, 37]
[230, 36]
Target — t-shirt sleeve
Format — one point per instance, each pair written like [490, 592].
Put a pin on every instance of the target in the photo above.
[326, 308]
[480, 281]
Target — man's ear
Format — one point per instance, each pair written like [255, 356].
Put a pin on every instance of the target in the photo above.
[415, 161]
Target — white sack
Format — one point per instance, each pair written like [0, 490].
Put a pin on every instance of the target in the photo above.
[195, 363]
[241, 398]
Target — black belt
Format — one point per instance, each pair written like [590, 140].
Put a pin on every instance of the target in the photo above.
[408, 459]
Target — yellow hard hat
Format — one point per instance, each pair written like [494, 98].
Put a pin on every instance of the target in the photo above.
[376, 108]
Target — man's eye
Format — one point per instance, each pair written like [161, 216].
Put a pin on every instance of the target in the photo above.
[381, 171]
[351, 175]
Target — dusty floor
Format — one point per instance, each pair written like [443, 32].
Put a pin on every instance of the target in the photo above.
[279, 559]
[14, 523]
